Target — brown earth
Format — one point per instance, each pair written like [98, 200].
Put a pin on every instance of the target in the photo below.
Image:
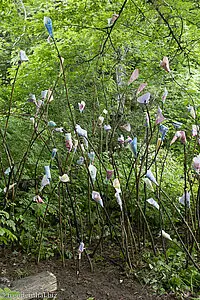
[107, 282]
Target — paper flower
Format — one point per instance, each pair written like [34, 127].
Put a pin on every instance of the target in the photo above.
[32, 119]
[105, 112]
[159, 144]
[64, 178]
[126, 127]
[44, 94]
[93, 172]
[121, 139]
[151, 177]
[38, 199]
[112, 20]
[119, 200]
[96, 197]
[80, 161]
[128, 140]
[153, 202]
[81, 247]
[53, 153]
[159, 117]
[116, 185]
[196, 164]
[176, 124]
[109, 174]
[100, 120]
[80, 131]
[68, 141]
[91, 156]
[22, 56]
[195, 130]
[146, 124]
[144, 99]
[149, 184]
[47, 172]
[81, 106]
[192, 111]
[185, 199]
[48, 25]
[7, 171]
[166, 235]
[32, 99]
[58, 129]
[164, 96]
[134, 76]
[9, 188]
[163, 130]
[133, 146]
[165, 64]
[51, 124]
[50, 95]
[107, 127]
[181, 135]
[141, 87]
[45, 181]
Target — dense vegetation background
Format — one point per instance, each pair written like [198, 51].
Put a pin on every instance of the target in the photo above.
[90, 56]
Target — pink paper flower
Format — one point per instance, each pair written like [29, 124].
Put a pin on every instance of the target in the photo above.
[196, 164]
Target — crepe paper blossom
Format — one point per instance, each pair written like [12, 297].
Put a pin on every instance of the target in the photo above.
[50, 95]
[48, 25]
[51, 124]
[93, 172]
[158, 144]
[32, 99]
[133, 146]
[81, 247]
[146, 124]
[82, 147]
[44, 94]
[47, 172]
[119, 200]
[126, 127]
[58, 129]
[121, 139]
[181, 135]
[22, 56]
[148, 184]
[185, 199]
[134, 76]
[80, 161]
[105, 112]
[128, 140]
[176, 124]
[7, 171]
[165, 64]
[32, 119]
[96, 197]
[112, 20]
[166, 235]
[163, 130]
[91, 156]
[100, 120]
[192, 111]
[109, 174]
[164, 96]
[9, 188]
[151, 177]
[159, 117]
[64, 178]
[141, 88]
[153, 202]
[68, 141]
[45, 181]
[53, 153]
[116, 185]
[196, 164]
[144, 99]
[81, 106]
[195, 130]
[38, 199]
[107, 127]
[80, 131]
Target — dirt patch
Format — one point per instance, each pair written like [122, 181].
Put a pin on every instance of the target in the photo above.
[107, 282]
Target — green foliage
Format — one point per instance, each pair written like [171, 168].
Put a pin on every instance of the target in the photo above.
[7, 225]
[6, 293]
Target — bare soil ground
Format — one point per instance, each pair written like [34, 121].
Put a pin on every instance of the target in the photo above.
[107, 282]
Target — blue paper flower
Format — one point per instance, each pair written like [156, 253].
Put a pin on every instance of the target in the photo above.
[133, 146]
[163, 130]
[48, 25]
